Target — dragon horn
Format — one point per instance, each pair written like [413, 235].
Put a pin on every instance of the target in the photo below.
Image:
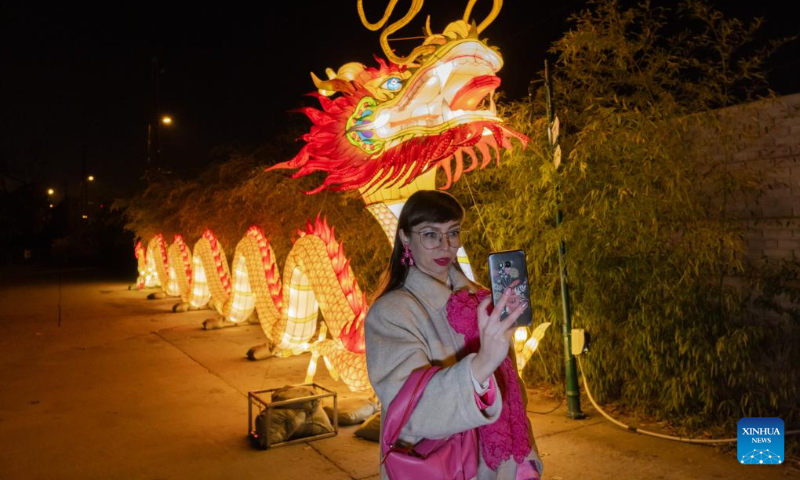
[416, 6]
[496, 6]
[380, 23]
[333, 85]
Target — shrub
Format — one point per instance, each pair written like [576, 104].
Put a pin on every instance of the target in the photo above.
[653, 248]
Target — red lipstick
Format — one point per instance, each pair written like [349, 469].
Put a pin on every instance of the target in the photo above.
[442, 261]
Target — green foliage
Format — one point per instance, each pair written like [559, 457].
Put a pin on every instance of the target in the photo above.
[654, 251]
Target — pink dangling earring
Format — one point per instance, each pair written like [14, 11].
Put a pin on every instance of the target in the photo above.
[408, 258]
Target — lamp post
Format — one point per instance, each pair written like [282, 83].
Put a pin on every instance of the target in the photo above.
[570, 370]
[88, 200]
[154, 166]
[83, 200]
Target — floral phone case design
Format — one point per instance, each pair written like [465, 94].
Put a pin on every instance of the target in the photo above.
[509, 270]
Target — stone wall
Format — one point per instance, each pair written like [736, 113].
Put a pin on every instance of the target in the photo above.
[768, 145]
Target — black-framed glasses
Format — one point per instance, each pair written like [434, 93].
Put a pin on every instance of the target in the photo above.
[431, 239]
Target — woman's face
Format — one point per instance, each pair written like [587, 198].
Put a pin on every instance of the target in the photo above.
[433, 261]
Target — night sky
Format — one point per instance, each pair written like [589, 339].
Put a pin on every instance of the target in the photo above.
[77, 82]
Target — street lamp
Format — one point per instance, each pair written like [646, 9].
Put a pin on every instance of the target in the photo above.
[154, 130]
[86, 201]
[50, 191]
[154, 168]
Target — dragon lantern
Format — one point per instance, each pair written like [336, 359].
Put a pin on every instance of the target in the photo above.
[383, 130]
[400, 120]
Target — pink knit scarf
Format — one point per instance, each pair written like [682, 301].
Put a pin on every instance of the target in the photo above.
[509, 434]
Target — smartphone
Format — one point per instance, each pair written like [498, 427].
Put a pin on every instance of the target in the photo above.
[509, 270]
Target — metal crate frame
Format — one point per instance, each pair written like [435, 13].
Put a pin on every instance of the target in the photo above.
[253, 398]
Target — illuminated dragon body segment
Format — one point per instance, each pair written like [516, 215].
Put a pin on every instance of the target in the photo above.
[157, 261]
[180, 267]
[256, 260]
[145, 279]
[318, 278]
[211, 274]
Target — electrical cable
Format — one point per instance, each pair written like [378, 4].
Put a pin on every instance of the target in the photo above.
[549, 411]
[548, 375]
[653, 434]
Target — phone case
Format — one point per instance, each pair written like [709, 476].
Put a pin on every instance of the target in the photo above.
[509, 270]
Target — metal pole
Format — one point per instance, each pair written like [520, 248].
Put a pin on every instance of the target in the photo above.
[157, 113]
[84, 201]
[570, 369]
[152, 168]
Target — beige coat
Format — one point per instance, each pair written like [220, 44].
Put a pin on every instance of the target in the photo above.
[402, 335]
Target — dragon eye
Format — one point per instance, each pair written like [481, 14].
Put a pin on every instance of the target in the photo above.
[393, 84]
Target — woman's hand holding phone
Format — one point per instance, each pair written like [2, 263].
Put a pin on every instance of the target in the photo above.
[495, 336]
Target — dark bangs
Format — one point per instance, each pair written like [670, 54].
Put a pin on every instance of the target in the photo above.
[429, 206]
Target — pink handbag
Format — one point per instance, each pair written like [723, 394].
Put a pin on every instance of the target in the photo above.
[454, 457]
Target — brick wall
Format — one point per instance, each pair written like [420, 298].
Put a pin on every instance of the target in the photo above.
[768, 146]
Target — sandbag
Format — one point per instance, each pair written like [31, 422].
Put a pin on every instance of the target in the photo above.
[371, 429]
[290, 393]
[353, 411]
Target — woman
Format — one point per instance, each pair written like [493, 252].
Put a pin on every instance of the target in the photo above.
[430, 313]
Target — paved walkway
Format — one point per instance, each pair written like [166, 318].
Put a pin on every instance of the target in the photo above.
[97, 382]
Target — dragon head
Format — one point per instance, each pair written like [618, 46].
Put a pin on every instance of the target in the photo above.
[396, 121]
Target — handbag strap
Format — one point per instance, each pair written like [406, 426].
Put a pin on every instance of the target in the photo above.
[403, 405]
